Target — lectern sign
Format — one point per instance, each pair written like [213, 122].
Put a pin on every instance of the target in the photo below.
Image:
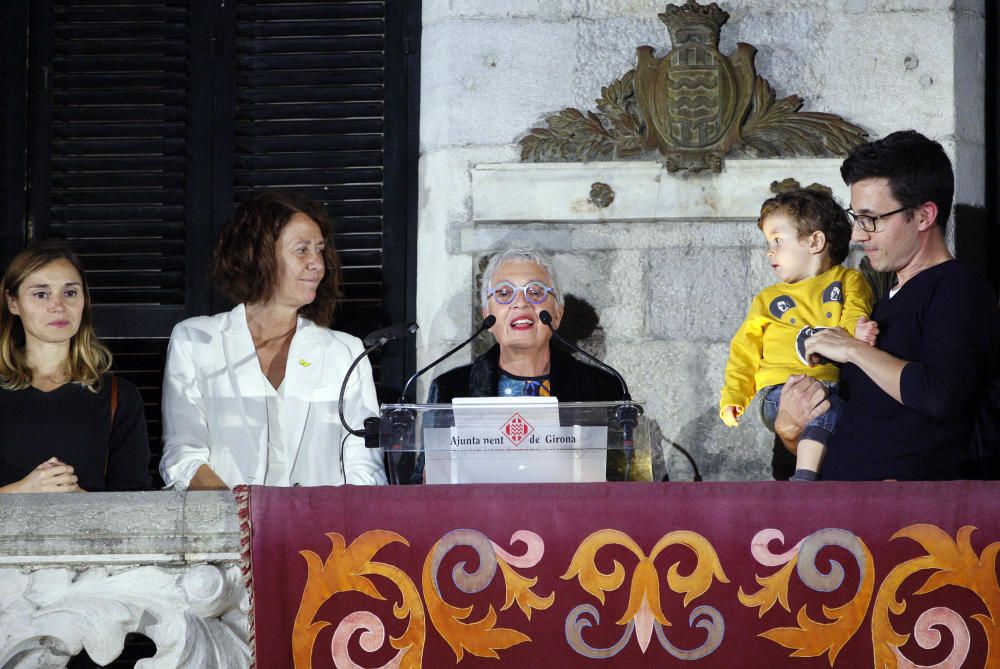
[516, 429]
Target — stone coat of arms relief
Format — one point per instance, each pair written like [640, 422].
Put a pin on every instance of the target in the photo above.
[695, 106]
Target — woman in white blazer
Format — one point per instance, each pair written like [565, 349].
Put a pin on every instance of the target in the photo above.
[251, 396]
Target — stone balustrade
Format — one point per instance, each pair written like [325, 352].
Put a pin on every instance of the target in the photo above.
[82, 571]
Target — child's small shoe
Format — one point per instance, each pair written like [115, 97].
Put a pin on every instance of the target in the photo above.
[803, 475]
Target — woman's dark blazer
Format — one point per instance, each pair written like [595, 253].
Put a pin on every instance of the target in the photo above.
[571, 379]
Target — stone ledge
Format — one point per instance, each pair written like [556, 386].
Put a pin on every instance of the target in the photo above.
[643, 191]
[124, 528]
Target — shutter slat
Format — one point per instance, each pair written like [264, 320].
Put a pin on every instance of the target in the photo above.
[309, 111]
[107, 280]
[118, 131]
[85, 82]
[78, 13]
[323, 127]
[332, 61]
[311, 94]
[302, 11]
[87, 40]
[152, 246]
[124, 196]
[120, 179]
[312, 45]
[118, 63]
[160, 228]
[99, 148]
[355, 208]
[311, 78]
[330, 27]
[370, 242]
[119, 113]
[306, 179]
[98, 263]
[140, 97]
[317, 143]
[357, 224]
[131, 213]
[144, 295]
[246, 162]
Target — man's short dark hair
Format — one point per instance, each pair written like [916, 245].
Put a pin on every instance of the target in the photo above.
[917, 168]
[813, 209]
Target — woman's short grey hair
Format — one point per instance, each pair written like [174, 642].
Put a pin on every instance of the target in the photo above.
[519, 255]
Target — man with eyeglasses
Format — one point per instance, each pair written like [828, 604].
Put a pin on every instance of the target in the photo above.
[910, 399]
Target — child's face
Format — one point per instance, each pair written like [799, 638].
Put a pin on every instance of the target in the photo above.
[791, 257]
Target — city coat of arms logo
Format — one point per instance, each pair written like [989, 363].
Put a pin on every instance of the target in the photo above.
[695, 106]
[516, 429]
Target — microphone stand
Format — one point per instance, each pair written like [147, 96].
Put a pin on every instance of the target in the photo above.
[487, 323]
[377, 339]
[627, 413]
[402, 420]
[371, 440]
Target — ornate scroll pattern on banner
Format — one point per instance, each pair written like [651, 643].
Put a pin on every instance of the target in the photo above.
[812, 638]
[952, 563]
[347, 569]
[481, 637]
[644, 613]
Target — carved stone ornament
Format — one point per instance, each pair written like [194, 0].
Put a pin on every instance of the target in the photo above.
[196, 616]
[790, 184]
[694, 105]
[601, 194]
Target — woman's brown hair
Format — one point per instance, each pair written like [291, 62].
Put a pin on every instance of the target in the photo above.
[245, 261]
[88, 359]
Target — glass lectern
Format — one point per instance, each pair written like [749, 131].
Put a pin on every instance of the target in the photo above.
[515, 440]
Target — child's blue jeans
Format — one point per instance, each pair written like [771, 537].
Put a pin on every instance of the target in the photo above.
[819, 428]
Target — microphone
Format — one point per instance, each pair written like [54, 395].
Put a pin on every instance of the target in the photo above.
[487, 323]
[388, 334]
[371, 342]
[546, 318]
[401, 420]
[627, 414]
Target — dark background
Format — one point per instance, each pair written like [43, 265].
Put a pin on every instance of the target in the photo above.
[131, 128]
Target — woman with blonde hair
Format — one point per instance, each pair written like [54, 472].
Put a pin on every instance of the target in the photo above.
[66, 424]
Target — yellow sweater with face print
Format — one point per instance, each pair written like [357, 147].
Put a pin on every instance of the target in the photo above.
[769, 346]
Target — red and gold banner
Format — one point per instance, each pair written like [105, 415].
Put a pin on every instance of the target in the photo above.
[900, 575]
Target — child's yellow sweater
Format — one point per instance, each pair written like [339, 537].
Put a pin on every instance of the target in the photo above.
[767, 348]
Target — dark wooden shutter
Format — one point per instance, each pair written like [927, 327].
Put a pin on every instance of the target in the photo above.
[13, 115]
[147, 119]
[309, 112]
[109, 160]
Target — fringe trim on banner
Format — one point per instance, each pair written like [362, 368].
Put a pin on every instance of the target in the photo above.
[246, 565]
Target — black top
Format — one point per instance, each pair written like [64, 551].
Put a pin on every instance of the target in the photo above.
[941, 322]
[571, 380]
[74, 425]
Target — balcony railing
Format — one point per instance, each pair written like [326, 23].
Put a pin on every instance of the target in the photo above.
[80, 572]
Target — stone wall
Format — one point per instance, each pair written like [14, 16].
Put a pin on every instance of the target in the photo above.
[668, 288]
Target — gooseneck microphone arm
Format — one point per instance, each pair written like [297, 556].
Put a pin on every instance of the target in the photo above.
[546, 318]
[487, 323]
[627, 413]
[343, 389]
[375, 340]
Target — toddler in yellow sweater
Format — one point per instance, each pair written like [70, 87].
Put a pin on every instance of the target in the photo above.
[807, 235]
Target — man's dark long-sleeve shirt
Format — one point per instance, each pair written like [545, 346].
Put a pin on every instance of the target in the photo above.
[940, 322]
